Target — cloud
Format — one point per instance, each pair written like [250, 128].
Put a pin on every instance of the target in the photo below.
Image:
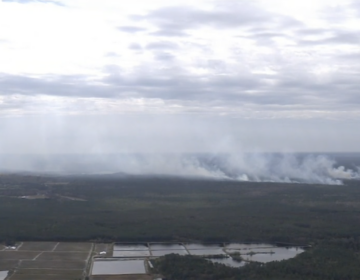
[161, 45]
[131, 29]
[112, 54]
[71, 86]
[356, 6]
[164, 56]
[239, 58]
[169, 32]
[337, 37]
[288, 88]
[135, 47]
[176, 21]
[58, 3]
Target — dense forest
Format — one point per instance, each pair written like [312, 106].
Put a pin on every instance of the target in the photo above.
[115, 208]
[126, 209]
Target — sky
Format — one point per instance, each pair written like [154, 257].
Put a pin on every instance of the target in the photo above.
[91, 76]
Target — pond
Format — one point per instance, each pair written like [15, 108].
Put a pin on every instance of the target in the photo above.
[166, 249]
[131, 250]
[3, 275]
[249, 252]
[274, 254]
[244, 246]
[228, 262]
[118, 267]
[205, 250]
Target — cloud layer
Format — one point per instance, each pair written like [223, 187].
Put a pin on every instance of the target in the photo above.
[247, 60]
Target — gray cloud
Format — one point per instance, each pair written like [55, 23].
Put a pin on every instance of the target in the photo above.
[175, 21]
[356, 6]
[58, 3]
[161, 45]
[135, 46]
[337, 37]
[349, 56]
[112, 54]
[131, 29]
[164, 56]
[228, 82]
[72, 86]
[287, 88]
[169, 32]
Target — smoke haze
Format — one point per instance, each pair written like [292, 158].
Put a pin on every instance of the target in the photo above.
[254, 167]
[217, 148]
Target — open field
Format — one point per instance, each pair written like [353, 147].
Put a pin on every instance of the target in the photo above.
[39, 260]
[122, 277]
[66, 247]
[8, 264]
[34, 274]
[53, 264]
[15, 255]
[63, 256]
[38, 246]
[103, 247]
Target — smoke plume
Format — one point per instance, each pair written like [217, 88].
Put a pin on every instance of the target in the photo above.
[253, 167]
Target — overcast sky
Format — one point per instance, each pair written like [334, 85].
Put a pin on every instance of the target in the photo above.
[160, 76]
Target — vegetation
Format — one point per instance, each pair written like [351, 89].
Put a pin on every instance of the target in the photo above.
[114, 208]
[151, 209]
[331, 260]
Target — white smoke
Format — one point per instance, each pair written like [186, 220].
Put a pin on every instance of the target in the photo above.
[253, 167]
[243, 167]
[289, 168]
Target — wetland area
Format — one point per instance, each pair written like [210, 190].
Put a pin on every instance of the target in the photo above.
[218, 253]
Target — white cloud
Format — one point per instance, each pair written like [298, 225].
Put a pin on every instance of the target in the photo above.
[232, 59]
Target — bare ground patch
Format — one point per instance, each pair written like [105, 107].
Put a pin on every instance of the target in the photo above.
[122, 277]
[17, 255]
[63, 256]
[47, 274]
[8, 264]
[38, 246]
[52, 264]
[73, 246]
[104, 247]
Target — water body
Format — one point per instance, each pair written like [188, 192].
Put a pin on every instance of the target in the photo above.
[249, 252]
[228, 262]
[244, 246]
[134, 253]
[130, 247]
[166, 249]
[3, 275]
[205, 250]
[274, 254]
[118, 267]
[131, 250]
